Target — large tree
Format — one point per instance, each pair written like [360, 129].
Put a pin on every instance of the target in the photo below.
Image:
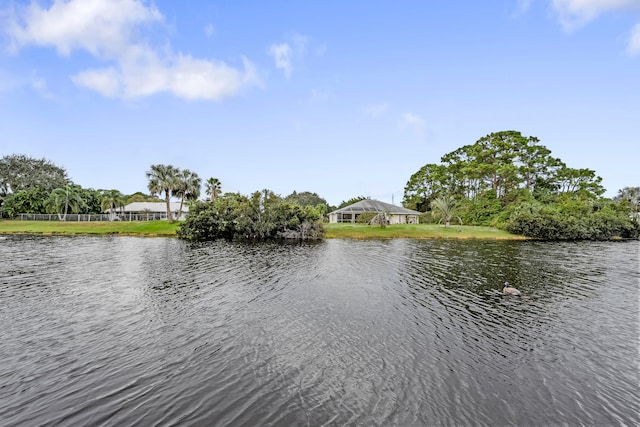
[423, 186]
[31, 201]
[187, 187]
[506, 164]
[305, 198]
[19, 172]
[163, 179]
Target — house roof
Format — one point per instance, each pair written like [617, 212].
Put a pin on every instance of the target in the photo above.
[369, 205]
[154, 207]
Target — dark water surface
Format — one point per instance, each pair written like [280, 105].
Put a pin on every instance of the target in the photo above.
[133, 331]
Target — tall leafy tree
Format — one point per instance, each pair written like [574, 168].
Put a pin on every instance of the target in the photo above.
[187, 187]
[92, 200]
[163, 179]
[63, 200]
[581, 182]
[506, 164]
[305, 198]
[423, 186]
[31, 200]
[213, 188]
[19, 172]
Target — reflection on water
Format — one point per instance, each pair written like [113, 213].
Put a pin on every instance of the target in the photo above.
[124, 330]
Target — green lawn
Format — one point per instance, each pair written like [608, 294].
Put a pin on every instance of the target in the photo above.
[333, 231]
[142, 228]
[415, 231]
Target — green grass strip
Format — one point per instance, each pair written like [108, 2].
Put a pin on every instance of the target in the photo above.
[333, 231]
[415, 231]
[141, 228]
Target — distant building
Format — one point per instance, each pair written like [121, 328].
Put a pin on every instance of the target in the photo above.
[142, 211]
[396, 214]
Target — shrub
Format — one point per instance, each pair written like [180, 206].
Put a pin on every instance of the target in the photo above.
[240, 217]
[426, 218]
[548, 225]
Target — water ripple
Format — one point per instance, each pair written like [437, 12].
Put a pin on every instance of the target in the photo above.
[127, 331]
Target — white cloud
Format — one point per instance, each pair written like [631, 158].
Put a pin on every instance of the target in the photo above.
[575, 13]
[184, 76]
[102, 27]
[282, 55]
[634, 41]
[108, 30]
[291, 52]
[106, 82]
[414, 122]
[376, 110]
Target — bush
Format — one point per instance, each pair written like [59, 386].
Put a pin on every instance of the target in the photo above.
[240, 217]
[480, 211]
[548, 225]
[426, 218]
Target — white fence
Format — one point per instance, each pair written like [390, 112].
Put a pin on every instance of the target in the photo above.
[94, 217]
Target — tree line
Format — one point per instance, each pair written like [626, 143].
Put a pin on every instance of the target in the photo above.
[504, 179]
[37, 186]
[513, 182]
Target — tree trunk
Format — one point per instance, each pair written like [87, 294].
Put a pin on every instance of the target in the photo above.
[181, 203]
[166, 198]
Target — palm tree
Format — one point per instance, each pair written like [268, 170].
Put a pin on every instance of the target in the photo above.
[188, 187]
[61, 200]
[445, 206]
[213, 188]
[111, 201]
[163, 179]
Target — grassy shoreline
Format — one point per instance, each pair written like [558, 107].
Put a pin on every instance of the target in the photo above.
[333, 231]
[126, 228]
[416, 231]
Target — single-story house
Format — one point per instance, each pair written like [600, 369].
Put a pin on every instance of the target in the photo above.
[395, 214]
[141, 211]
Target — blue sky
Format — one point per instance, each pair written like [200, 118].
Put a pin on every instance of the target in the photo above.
[339, 98]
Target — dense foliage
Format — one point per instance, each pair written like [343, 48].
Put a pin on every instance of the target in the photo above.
[37, 186]
[307, 198]
[511, 181]
[573, 221]
[261, 216]
[19, 172]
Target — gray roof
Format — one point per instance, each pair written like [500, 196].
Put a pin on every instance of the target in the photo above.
[369, 205]
[159, 207]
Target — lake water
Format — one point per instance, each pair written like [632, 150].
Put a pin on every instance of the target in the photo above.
[152, 331]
